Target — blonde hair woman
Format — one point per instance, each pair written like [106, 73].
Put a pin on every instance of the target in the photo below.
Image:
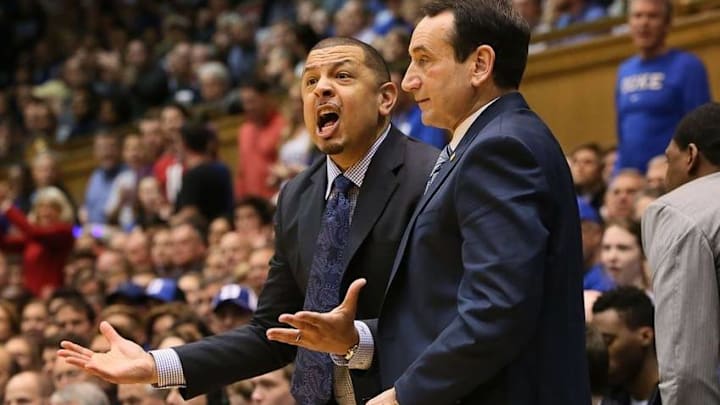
[44, 238]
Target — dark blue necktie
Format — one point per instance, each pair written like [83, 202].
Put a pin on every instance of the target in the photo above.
[442, 158]
[312, 383]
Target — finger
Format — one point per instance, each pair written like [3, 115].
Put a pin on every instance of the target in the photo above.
[298, 323]
[352, 295]
[284, 335]
[315, 319]
[73, 347]
[110, 334]
[65, 354]
[78, 362]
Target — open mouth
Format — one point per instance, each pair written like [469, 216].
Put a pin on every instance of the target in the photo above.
[327, 122]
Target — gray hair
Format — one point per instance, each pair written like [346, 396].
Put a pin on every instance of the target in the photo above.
[83, 393]
[213, 70]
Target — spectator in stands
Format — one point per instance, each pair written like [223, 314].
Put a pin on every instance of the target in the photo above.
[80, 393]
[622, 254]
[8, 368]
[642, 201]
[8, 321]
[181, 80]
[28, 387]
[234, 250]
[153, 139]
[106, 149]
[112, 266]
[655, 88]
[273, 388]
[25, 351]
[75, 316]
[577, 11]
[532, 12]
[137, 251]
[624, 317]
[215, 96]
[353, 20]
[161, 251]
[39, 120]
[81, 118]
[253, 220]
[121, 201]
[621, 193]
[681, 237]
[34, 318]
[407, 116]
[145, 80]
[45, 239]
[151, 209]
[45, 173]
[188, 247]
[168, 168]
[241, 53]
[217, 229]
[259, 268]
[598, 363]
[586, 166]
[591, 225]
[296, 150]
[145, 394]
[258, 140]
[206, 184]
[233, 306]
[655, 174]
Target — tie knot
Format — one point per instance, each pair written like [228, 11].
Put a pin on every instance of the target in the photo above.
[342, 184]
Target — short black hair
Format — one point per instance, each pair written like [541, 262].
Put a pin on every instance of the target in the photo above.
[373, 59]
[488, 22]
[260, 205]
[593, 147]
[598, 359]
[702, 128]
[196, 136]
[631, 303]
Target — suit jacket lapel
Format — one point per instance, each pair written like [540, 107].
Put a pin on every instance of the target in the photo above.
[378, 186]
[509, 101]
[310, 216]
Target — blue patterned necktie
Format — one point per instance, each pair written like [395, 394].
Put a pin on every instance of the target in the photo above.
[312, 383]
[442, 158]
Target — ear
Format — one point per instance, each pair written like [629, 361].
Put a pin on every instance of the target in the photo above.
[481, 65]
[387, 96]
[693, 158]
[646, 335]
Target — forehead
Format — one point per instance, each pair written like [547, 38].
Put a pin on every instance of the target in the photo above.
[433, 34]
[608, 320]
[334, 55]
[618, 234]
[647, 5]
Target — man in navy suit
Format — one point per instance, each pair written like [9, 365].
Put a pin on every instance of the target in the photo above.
[484, 303]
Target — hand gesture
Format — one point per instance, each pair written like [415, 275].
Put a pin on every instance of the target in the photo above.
[125, 363]
[332, 332]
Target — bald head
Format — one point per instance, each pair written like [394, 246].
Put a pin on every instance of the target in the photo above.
[29, 388]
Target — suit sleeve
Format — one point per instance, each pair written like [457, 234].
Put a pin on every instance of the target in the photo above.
[687, 307]
[246, 352]
[500, 197]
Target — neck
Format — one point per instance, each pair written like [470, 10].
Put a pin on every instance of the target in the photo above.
[478, 104]
[653, 52]
[705, 169]
[345, 161]
[193, 159]
[644, 383]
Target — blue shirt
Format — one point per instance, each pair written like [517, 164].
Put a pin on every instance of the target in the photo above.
[410, 123]
[651, 97]
[597, 279]
[98, 192]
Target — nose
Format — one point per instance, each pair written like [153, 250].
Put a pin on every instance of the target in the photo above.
[323, 88]
[411, 81]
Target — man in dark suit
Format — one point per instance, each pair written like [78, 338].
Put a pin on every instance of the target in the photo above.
[484, 303]
[348, 99]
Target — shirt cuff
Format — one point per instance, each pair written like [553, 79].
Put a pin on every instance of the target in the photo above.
[169, 368]
[362, 360]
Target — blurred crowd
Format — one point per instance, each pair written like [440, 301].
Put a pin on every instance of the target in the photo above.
[168, 244]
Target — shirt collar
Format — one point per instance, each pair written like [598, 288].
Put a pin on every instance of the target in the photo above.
[460, 131]
[356, 172]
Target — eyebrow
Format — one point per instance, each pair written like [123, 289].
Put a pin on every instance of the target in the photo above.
[332, 64]
[419, 48]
